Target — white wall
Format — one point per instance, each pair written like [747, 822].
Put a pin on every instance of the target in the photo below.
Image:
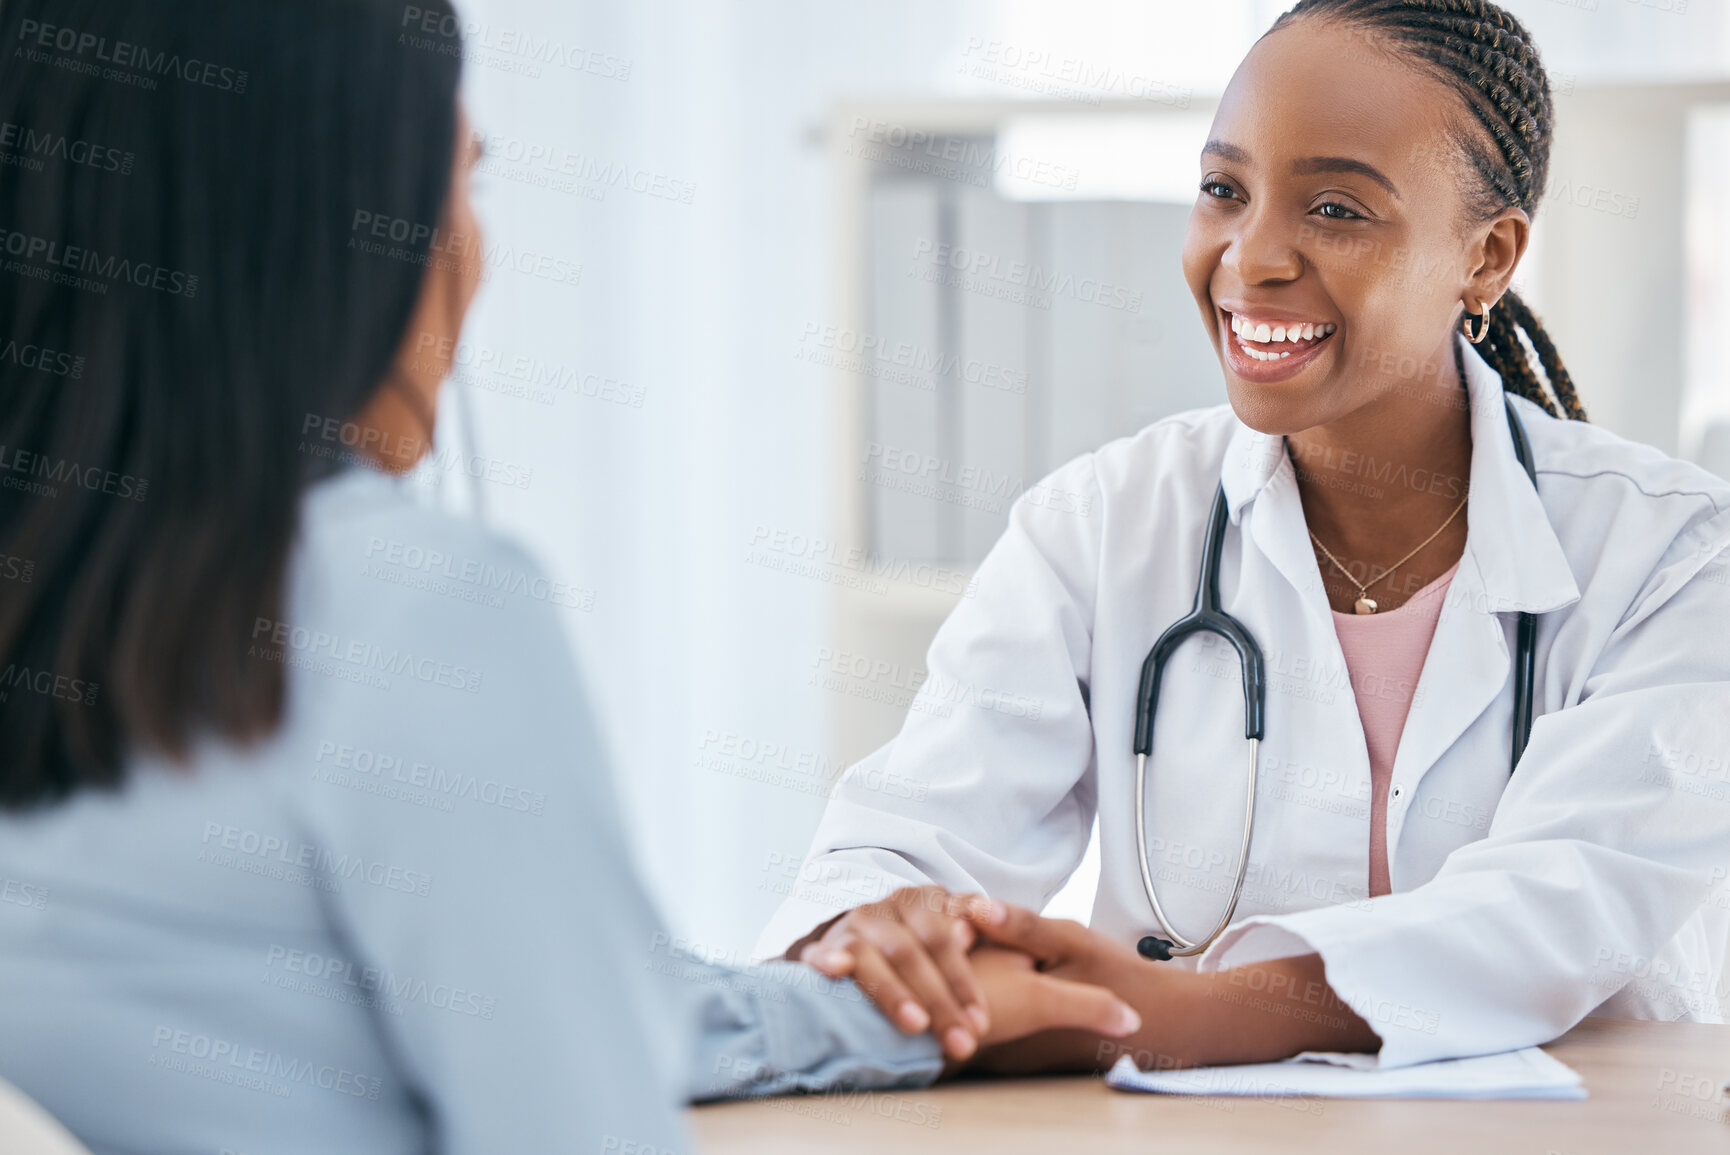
[700, 306]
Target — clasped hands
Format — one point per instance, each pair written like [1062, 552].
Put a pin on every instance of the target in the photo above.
[980, 974]
[1009, 992]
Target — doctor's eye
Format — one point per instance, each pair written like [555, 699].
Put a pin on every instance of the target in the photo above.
[1340, 212]
[1218, 190]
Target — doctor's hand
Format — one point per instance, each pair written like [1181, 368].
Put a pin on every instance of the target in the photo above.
[908, 954]
[1194, 1018]
[1070, 953]
[1026, 1000]
[1065, 948]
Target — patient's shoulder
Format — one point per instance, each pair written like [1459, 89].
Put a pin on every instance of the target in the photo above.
[381, 519]
[373, 558]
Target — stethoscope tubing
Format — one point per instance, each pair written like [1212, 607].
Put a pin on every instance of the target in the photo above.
[1208, 617]
[1176, 946]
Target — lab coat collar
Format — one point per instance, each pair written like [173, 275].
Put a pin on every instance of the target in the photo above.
[1509, 534]
[1518, 559]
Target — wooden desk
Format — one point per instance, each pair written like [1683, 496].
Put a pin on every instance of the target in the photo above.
[1644, 1080]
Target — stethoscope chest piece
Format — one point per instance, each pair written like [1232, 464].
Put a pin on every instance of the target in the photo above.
[1154, 948]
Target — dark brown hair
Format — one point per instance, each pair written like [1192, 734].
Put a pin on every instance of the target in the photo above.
[186, 245]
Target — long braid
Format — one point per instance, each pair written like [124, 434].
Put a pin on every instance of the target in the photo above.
[1489, 58]
[1560, 383]
[1502, 349]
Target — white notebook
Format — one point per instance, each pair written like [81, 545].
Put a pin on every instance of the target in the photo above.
[1527, 1074]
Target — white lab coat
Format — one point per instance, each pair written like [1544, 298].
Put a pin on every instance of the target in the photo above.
[1592, 879]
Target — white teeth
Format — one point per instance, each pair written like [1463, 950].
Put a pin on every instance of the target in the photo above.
[1268, 334]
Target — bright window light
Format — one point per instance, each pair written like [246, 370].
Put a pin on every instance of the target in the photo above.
[1705, 432]
[1102, 158]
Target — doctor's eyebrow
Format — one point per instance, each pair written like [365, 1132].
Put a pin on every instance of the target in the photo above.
[1227, 152]
[1308, 166]
[1317, 164]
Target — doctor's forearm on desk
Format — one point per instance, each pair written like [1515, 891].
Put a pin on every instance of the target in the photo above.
[1259, 1013]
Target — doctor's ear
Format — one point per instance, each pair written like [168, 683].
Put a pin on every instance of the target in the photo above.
[1496, 247]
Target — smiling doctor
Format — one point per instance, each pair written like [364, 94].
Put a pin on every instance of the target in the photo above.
[1423, 879]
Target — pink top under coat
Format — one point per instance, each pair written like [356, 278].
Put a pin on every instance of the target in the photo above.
[1384, 655]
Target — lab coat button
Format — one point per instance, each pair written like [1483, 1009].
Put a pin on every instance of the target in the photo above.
[1396, 792]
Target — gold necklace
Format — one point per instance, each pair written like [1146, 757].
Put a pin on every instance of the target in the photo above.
[1365, 603]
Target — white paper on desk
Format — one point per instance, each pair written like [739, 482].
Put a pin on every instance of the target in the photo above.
[1527, 1074]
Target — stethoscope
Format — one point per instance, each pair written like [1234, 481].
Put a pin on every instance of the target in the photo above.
[1208, 618]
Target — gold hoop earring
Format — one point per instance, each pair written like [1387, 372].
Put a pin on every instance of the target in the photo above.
[1483, 325]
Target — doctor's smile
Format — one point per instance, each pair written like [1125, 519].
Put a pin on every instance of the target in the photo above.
[1273, 350]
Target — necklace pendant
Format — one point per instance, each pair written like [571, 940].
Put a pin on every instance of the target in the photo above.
[1365, 605]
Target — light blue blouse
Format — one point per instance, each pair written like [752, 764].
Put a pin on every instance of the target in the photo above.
[406, 922]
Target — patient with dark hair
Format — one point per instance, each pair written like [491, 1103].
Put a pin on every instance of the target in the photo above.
[236, 920]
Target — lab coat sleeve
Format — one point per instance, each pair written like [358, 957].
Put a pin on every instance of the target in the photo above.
[1605, 843]
[989, 785]
[560, 1014]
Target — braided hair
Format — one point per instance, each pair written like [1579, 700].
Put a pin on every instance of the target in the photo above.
[1488, 57]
